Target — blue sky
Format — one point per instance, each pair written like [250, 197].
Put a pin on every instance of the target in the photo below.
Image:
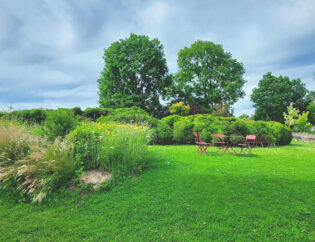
[51, 51]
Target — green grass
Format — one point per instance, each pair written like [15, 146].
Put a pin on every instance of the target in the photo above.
[182, 196]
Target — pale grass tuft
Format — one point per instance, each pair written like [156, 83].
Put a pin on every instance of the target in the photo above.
[35, 166]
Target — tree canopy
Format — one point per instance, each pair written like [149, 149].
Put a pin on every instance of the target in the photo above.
[274, 94]
[135, 74]
[207, 76]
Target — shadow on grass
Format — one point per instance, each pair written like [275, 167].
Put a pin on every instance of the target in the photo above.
[238, 154]
[294, 145]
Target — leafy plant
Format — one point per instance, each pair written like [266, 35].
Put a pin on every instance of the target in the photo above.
[183, 131]
[291, 117]
[59, 123]
[119, 148]
[301, 124]
[180, 108]
[163, 133]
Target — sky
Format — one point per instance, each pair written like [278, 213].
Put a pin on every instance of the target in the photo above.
[51, 51]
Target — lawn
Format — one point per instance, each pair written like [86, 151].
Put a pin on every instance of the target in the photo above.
[182, 196]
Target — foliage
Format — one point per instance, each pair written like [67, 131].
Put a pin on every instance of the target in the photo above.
[290, 117]
[163, 134]
[95, 113]
[180, 108]
[311, 109]
[59, 123]
[129, 115]
[15, 142]
[280, 133]
[274, 95]
[183, 131]
[170, 120]
[36, 168]
[135, 74]
[76, 111]
[301, 124]
[207, 76]
[244, 116]
[27, 116]
[207, 125]
[223, 110]
[120, 148]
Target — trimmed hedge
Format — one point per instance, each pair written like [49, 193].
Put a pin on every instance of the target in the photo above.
[95, 113]
[183, 129]
[133, 115]
[27, 116]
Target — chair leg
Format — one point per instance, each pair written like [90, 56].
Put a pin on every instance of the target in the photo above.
[204, 150]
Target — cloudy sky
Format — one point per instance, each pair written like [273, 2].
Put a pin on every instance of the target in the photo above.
[51, 50]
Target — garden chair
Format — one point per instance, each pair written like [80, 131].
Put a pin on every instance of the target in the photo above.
[219, 140]
[202, 146]
[250, 141]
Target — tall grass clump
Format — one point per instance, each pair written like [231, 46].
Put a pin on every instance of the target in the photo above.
[32, 165]
[119, 148]
[59, 123]
[15, 142]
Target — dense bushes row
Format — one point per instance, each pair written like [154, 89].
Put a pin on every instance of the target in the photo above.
[180, 130]
[132, 114]
[169, 130]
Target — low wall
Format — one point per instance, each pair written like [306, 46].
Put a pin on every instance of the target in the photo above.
[304, 137]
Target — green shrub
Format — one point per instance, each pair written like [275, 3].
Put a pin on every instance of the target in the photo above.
[163, 134]
[203, 121]
[180, 108]
[183, 131]
[59, 123]
[76, 111]
[120, 148]
[207, 132]
[280, 133]
[311, 109]
[27, 116]
[301, 124]
[133, 115]
[170, 120]
[37, 116]
[95, 113]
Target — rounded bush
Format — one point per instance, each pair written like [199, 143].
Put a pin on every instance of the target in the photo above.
[163, 134]
[183, 131]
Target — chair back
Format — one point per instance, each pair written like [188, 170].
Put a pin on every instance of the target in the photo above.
[197, 137]
[221, 136]
[250, 139]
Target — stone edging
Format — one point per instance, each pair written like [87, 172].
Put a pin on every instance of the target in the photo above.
[304, 137]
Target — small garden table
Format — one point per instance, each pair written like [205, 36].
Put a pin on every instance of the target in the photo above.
[230, 142]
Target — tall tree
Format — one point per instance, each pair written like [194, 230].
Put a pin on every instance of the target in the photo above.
[207, 76]
[135, 74]
[274, 95]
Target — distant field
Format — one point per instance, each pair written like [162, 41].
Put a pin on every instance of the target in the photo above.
[183, 196]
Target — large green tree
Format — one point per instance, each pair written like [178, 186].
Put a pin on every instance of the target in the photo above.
[207, 76]
[274, 95]
[135, 74]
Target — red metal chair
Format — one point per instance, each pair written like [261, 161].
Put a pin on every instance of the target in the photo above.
[202, 146]
[219, 140]
[250, 141]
